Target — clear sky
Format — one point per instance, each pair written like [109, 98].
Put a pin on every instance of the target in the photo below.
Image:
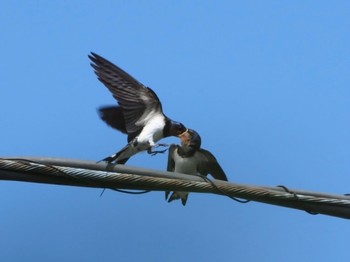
[265, 83]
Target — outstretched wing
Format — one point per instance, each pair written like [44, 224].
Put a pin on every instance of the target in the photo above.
[139, 103]
[209, 165]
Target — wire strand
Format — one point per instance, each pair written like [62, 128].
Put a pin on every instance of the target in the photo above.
[125, 178]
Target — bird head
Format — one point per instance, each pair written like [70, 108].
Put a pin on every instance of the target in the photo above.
[177, 128]
[190, 138]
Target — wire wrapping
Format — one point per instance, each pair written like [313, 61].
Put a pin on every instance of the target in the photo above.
[99, 175]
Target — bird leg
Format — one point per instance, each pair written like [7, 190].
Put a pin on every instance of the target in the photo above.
[154, 152]
[159, 145]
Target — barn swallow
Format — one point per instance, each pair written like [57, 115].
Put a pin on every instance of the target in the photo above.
[139, 114]
[190, 158]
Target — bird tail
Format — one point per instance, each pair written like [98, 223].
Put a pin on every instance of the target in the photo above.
[113, 157]
[122, 156]
[177, 195]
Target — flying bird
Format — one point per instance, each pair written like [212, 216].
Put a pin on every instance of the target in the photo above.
[190, 158]
[139, 114]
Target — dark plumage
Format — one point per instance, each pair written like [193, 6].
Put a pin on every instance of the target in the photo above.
[190, 158]
[139, 114]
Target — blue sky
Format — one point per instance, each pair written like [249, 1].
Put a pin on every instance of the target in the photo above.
[266, 84]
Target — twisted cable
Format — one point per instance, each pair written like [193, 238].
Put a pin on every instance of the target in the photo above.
[100, 175]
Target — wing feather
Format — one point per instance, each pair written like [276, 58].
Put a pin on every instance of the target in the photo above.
[171, 164]
[209, 165]
[136, 100]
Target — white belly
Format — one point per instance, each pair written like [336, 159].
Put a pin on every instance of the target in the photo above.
[185, 165]
[152, 132]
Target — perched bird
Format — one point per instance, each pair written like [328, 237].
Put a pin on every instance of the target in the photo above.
[190, 158]
[139, 113]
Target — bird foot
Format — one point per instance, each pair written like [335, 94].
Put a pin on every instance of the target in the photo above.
[153, 153]
[160, 145]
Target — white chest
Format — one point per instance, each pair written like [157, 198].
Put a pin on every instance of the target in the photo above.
[185, 165]
[153, 130]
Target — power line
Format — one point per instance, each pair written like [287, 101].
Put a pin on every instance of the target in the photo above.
[99, 175]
